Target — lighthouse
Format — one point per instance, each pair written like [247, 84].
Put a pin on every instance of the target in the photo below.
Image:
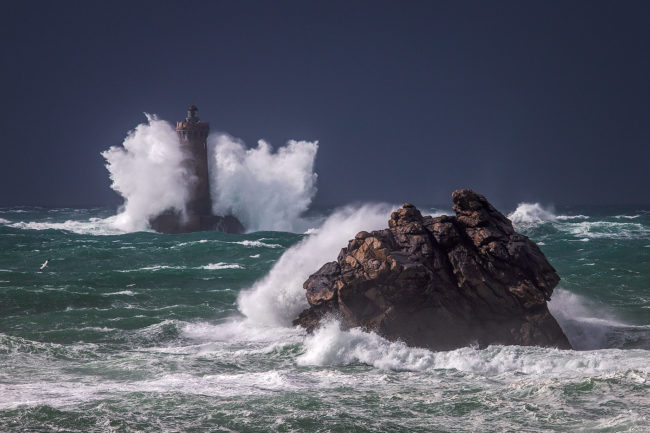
[197, 215]
[193, 136]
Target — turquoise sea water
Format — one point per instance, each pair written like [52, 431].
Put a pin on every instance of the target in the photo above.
[140, 331]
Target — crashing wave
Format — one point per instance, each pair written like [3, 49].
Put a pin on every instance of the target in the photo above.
[528, 214]
[531, 213]
[279, 297]
[265, 190]
[329, 345]
[148, 171]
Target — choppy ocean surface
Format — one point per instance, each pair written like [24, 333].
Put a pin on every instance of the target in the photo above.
[126, 332]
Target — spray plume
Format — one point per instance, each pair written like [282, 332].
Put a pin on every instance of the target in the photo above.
[265, 190]
[147, 171]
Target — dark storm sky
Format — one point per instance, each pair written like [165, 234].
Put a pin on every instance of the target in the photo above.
[541, 101]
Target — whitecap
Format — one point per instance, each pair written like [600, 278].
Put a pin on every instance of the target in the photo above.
[571, 217]
[123, 292]
[152, 268]
[184, 244]
[629, 217]
[257, 243]
[606, 230]
[220, 265]
[92, 226]
[531, 213]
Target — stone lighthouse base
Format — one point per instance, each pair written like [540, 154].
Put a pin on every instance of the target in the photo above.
[174, 223]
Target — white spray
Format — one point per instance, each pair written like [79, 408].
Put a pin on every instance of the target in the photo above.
[278, 298]
[263, 189]
[147, 171]
[531, 213]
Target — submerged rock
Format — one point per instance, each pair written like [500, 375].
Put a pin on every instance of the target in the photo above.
[442, 282]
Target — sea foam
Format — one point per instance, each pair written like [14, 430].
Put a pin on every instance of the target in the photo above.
[329, 345]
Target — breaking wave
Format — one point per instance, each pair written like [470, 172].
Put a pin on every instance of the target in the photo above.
[531, 215]
[329, 345]
[91, 226]
[279, 297]
[257, 243]
[607, 230]
[148, 172]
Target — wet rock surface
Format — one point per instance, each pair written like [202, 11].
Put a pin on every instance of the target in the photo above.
[440, 282]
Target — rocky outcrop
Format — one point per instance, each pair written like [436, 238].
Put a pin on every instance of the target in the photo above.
[442, 282]
[173, 223]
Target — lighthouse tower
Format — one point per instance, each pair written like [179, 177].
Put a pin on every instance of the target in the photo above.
[192, 137]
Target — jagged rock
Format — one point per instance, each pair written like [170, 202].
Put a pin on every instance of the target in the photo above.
[442, 282]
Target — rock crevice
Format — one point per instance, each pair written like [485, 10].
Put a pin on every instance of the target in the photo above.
[440, 282]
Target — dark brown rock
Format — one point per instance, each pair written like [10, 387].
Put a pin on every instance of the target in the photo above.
[441, 283]
[172, 223]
